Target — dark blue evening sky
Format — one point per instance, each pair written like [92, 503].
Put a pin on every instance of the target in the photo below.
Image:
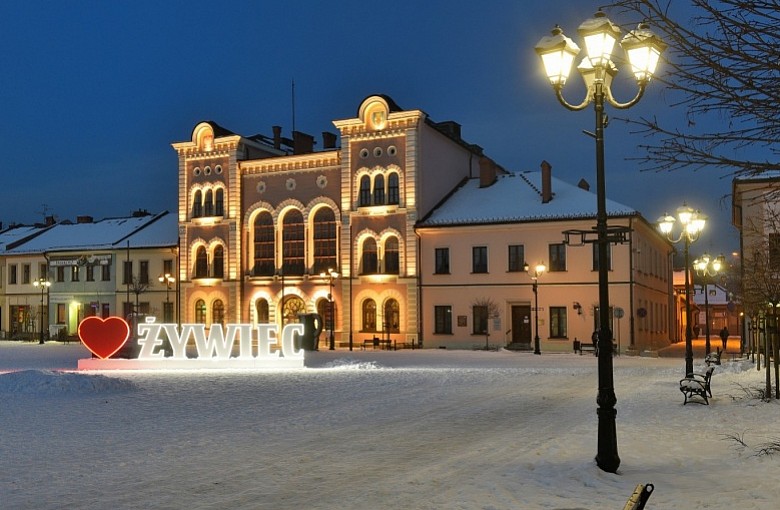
[92, 93]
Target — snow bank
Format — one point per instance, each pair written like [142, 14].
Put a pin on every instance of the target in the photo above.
[48, 382]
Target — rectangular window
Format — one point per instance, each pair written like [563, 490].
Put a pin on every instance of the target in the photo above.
[106, 310]
[62, 313]
[442, 261]
[558, 322]
[105, 273]
[479, 259]
[74, 273]
[143, 276]
[596, 257]
[127, 272]
[558, 257]
[442, 324]
[774, 251]
[480, 319]
[12, 274]
[90, 270]
[168, 312]
[26, 273]
[60, 273]
[42, 272]
[516, 258]
[168, 267]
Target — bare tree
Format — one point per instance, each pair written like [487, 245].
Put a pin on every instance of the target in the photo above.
[489, 310]
[723, 68]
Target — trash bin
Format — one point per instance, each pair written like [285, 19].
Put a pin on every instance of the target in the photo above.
[312, 327]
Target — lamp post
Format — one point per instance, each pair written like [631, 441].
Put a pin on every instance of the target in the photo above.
[44, 284]
[539, 269]
[558, 52]
[331, 275]
[707, 267]
[691, 223]
[168, 280]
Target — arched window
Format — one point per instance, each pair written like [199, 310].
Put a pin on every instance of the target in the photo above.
[369, 315]
[293, 305]
[197, 204]
[293, 242]
[261, 310]
[264, 245]
[208, 203]
[218, 262]
[392, 189]
[379, 190]
[392, 318]
[219, 202]
[391, 256]
[324, 240]
[365, 191]
[200, 311]
[218, 312]
[201, 263]
[369, 256]
[324, 309]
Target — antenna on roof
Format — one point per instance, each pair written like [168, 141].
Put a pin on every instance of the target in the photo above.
[45, 211]
[293, 103]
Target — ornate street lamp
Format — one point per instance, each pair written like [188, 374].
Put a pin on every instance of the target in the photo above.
[331, 275]
[168, 280]
[691, 225]
[707, 267]
[538, 271]
[44, 284]
[558, 52]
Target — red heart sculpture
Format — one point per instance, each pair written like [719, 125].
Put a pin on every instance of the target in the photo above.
[104, 337]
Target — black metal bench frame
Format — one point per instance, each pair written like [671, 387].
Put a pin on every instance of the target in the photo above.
[697, 384]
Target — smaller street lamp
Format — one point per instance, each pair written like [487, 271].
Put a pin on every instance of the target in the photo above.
[168, 280]
[44, 284]
[707, 267]
[331, 275]
[691, 223]
[537, 272]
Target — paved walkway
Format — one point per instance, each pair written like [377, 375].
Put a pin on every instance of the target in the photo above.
[677, 350]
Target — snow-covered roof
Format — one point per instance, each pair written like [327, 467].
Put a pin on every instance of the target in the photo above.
[14, 234]
[105, 234]
[516, 197]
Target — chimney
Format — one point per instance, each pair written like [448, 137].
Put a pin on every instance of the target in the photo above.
[49, 221]
[583, 184]
[140, 213]
[328, 140]
[487, 172]
[277, 137]
[83, 219]
[547, 193]
[450, 127]
[302, 143]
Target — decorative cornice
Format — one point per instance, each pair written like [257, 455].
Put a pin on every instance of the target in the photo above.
[301, 162]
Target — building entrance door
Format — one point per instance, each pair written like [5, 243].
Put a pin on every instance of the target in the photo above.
[521, 327]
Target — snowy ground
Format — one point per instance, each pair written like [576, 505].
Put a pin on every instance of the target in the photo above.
[376, 430]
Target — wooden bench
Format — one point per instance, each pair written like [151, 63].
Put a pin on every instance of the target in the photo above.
[696, 384]
[584, 346]
[377, 342]
[713, 358]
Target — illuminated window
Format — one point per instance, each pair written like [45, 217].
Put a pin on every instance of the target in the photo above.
[392, 189]
[293, 242]
[264, 245]
[200, 311]
[261, 309]
[370, 265]
[218, 312]
[379, 190]
[365, 191]
[391, 256]
[218, 269]
[558, 322]
[392, 319]
[74, 273]
[293, 305]
[324, 240]
[369, 315]
[201, 263]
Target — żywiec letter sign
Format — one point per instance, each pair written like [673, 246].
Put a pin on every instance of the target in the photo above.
[106, 337]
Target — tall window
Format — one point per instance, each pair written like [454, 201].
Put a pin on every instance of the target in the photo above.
[201, 263]
[442, 264]
[219, 202]
[480, 319]
[379, 190]
[596, 257]
[208, 203]
[261, 310]
[60, 274]
[200, 311]
[12, 276]
[42, 271]
[516, 258]
[218, 312]
[479, 259]
[293, 243]
[105, 273]
[218, 264]
[774, 251]
[392, 265]
[197, 204]
[369, 315]
[392, 318]
[365, 191]
[264, 245]
[26, 273]
[558, 322]
[143, 276]
[369, 256]
[74, 273]
[90, 270]
[324, 240]
[127, 272]
[392, 189]
[442, 320]
[557, 257]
